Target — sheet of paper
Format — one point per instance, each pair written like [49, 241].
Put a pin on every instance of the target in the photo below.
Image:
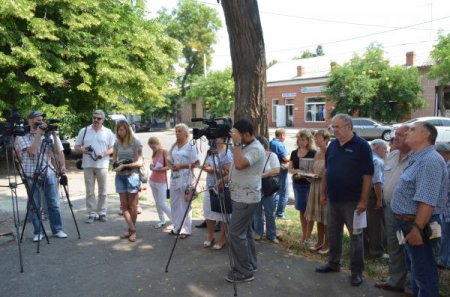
[158, 165]
[359, 221]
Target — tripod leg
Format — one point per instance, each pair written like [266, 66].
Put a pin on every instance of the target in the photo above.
[16, 224]
[66, 191]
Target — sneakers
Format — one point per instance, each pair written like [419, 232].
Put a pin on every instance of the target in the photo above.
[236, 277]
[38, 237]
[60, 234]
[102, 218]
[159, 225]
[90, 219]
[274, 241]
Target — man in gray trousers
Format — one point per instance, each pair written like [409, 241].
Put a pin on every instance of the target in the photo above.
[245, 189]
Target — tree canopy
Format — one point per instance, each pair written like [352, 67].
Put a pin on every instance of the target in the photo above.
[441, 68]
[369, 86]
[71, 57]
[216, 90]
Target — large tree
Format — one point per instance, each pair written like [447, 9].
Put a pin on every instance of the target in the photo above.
[441, 68]
[370, 87]
[249, 61]
[195, 26]
[70, 57]
[216, 91]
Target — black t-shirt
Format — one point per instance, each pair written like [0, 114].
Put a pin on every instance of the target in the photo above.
[296, 164]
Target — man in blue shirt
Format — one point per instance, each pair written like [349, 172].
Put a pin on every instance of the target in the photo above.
[346, 184]
[277, 146]
[416, 203]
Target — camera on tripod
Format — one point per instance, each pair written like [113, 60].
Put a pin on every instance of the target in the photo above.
[13, 126]
[217, 128]
[124, 161]
[50, 125]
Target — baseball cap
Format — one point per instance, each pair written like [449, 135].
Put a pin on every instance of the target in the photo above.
[35, 113]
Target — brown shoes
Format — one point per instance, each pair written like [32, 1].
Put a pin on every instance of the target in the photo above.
[386, 286]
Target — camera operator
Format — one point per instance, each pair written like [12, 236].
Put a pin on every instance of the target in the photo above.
[29, 148]
[245, 189]
[96, 143]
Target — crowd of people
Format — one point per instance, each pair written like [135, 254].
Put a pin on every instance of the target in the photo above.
[403, 194]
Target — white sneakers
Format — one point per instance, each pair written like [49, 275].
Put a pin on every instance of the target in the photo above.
[159, 225]
[38, 237]
[60, 234]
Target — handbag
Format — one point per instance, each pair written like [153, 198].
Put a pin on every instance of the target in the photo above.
[144, 173]
[223, 197]
[271, 184]
[79, 162]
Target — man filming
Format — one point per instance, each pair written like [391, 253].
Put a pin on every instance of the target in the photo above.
[30, 152]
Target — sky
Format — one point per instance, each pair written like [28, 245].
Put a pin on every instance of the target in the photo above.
[341, 27]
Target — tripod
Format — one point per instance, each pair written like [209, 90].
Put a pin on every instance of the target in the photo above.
[12, 185]
[40, 177]
[218, 176]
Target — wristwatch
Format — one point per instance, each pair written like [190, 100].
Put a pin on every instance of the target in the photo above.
[237, 144]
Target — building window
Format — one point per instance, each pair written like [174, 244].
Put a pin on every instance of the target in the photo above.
[275, 102]
[315, 109]
[194, 110]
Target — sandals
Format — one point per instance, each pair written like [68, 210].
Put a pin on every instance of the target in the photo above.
[172, 232]
[207, 244]
[217, 246]
[184, 236]
[125, 235]
[132, 237]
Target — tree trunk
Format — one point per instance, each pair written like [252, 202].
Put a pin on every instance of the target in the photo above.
[441, 104]
[248, 61]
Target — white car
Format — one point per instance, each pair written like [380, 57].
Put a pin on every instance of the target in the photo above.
[442, 125]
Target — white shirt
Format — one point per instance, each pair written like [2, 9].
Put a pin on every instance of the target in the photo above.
[100, 141]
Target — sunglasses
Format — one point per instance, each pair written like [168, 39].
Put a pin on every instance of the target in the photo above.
[97, 118]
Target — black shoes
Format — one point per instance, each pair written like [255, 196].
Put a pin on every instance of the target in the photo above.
[201, 225]
[356, 279]
[326, 268]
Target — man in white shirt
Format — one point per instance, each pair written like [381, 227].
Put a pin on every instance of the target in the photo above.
[96, 143]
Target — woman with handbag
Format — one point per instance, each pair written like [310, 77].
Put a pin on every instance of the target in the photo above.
[315, 211]
[299, 164]
[158, 180]
[270, 187]
[183, 157]
[222, 163]
[127, 159]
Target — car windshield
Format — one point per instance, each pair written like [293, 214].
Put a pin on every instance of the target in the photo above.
[410, 121]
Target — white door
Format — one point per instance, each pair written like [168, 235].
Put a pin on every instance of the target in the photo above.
[281, 116]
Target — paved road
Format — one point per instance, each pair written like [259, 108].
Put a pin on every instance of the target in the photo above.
[102, 264]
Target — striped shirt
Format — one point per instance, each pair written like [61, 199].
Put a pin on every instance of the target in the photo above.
[29, 161]
[445, 212]
[424, 180]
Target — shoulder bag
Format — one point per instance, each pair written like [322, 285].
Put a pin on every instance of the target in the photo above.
[79, 162]
[271, 184]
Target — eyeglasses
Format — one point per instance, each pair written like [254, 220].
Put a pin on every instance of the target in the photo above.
[97, 118]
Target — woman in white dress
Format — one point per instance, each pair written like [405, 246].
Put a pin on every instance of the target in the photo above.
[222, 162]
[183, 157]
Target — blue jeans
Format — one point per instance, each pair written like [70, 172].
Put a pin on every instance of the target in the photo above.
[301, 194]
[445, 245]
[50, 189]
[267, 203]
[421, 263]
[282, 196]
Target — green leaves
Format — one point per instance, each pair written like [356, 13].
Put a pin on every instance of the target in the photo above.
[441, 56]
[370, 87]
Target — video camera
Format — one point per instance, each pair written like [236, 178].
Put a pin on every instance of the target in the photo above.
[217, 128]
[124, 161]
[14, 126]
[50, 125]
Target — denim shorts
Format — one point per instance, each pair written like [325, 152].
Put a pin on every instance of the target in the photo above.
[128, 183]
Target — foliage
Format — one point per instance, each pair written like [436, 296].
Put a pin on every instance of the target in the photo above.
[309, 54]
[194, 25]
[271, 63]
[370, 87]
[216, 90]
[68, 58]
[441, 56]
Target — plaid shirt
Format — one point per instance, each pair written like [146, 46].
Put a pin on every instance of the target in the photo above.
[29, 161]
[424, 180]
[445, 212]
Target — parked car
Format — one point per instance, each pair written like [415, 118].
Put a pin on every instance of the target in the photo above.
[140, 127]
[442, 125]
[371, 129]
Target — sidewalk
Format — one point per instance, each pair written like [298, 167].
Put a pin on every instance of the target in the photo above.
[102, 264]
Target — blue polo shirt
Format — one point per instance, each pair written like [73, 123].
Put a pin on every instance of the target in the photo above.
[279, 149]
[345, 167]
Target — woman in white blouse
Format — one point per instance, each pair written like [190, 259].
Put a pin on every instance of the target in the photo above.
[183, 157]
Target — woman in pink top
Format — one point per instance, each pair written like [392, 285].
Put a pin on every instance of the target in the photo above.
[158, 180]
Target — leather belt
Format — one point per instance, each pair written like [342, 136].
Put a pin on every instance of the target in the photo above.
[405, 217]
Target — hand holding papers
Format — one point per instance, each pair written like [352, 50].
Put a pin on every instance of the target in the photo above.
[359, 222]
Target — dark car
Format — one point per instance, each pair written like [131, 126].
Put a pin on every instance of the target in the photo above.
[140, 126]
